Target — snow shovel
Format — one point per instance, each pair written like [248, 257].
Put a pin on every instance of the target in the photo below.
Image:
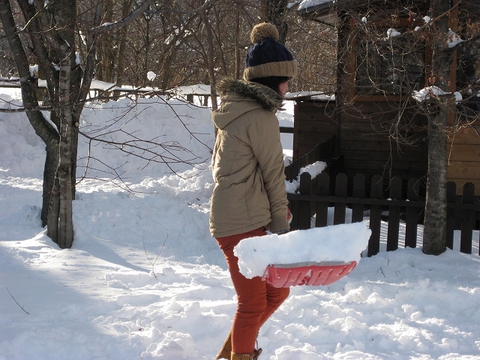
[312, 257]
[307, 273]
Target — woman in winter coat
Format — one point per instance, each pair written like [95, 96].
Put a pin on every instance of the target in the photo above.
[249, 196]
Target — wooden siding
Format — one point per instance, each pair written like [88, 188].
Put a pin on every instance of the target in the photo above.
[368, 147]
[364, 149]
[359, 141]
[463, 152]
[314, 123]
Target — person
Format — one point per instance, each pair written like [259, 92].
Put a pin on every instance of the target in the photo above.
[249, 196]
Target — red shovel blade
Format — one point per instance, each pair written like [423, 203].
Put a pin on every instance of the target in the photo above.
[310, 274]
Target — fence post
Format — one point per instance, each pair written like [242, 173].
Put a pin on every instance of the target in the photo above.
[340, 191]
[412, 214]
[304, 208]
[359, 193]
[375, 216]
[323, 189]
[394, 214]
[451, 212]
[468, 218]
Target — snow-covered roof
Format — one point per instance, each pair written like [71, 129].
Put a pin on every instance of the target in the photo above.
[306, 4]
[96, 84]
[314, 95]
[319, 10]
[197, 89]
[9, 82]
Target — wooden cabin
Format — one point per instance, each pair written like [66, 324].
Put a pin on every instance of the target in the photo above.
[380, 129]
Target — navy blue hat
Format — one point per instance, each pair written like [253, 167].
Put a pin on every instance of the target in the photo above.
[267, 57]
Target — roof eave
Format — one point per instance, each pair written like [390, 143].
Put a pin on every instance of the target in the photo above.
[323, 13]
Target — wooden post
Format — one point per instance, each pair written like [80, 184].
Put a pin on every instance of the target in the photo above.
[358, 192]
[323, 189]
[304, 208]
[375, 216]
[468, 218]
[412, 214]
[340, 191]
[394, 214]
[451, 212]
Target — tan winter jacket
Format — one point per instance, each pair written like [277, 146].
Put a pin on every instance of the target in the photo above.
[247, 161]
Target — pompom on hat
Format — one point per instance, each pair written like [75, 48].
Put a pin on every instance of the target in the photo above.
[267, 57]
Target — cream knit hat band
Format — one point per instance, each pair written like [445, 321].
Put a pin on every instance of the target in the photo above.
[279, 68]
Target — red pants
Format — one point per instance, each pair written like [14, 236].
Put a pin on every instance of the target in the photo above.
[257, 300]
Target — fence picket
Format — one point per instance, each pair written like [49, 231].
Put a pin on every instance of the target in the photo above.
[375, 216]
[323, 189]
[394, 214]
[359, 193]
[304, 207]
[451, 213]
[468, 218]
[412, 214]
[340, 191]
[317, 196]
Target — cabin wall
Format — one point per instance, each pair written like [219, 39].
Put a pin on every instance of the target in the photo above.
[314, 122]
[364, 138]
[463, 151]
[377, 141]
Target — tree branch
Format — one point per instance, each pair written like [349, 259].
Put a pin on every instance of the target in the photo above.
[138, 12]
[20, 306]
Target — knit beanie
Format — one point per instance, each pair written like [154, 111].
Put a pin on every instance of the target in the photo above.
[267, 57]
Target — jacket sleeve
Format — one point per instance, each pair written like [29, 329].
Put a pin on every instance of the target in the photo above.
[264, 135]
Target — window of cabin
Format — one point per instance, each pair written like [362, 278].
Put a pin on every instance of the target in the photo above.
[389, 63]
[468, 80]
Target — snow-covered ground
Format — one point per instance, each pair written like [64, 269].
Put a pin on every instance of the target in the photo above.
[144, 279]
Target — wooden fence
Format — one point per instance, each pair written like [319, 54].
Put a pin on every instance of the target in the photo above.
[316, 200]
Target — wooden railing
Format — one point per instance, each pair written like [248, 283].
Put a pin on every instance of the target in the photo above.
[350, 202]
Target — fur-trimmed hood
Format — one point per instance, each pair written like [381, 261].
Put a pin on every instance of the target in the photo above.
[268, 98]
[239, 97]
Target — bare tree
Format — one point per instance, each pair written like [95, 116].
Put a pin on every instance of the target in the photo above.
[48, 34]
[160, 39]
[198, 41]
[61, 37]
[111, 46]
[49, 29]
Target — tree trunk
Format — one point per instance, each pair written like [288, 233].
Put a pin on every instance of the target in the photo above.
[210, 57]
[49, 187]
[41, 126]
[67, 89]
[106, 47]
[238, 67]
[122, 42]
[274, 12]
[435, 229]
[435, 224]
